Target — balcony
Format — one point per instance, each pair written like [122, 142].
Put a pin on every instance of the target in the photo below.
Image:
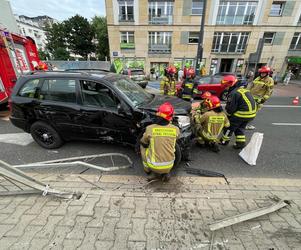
[127, 45]
[159, 48]
[126, 18]
[160, 20]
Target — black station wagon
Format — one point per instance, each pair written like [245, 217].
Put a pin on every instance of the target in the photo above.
[61, 106]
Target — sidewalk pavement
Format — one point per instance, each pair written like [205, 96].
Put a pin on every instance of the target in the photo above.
[122, 212]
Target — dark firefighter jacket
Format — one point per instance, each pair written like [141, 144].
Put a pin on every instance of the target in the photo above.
[241, 104]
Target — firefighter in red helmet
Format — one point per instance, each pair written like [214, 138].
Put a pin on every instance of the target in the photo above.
[210, 125]
[158, 144]
[168, 83]
[188, 85]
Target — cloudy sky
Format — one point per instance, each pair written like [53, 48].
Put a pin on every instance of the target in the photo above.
[59, 9]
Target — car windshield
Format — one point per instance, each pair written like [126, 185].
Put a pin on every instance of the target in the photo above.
[133, 92]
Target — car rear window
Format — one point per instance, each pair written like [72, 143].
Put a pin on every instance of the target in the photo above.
[29, 88]
[137, 72]
[60, 90]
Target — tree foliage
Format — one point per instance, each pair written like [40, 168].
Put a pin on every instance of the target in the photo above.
[43, 55]
[99, 25]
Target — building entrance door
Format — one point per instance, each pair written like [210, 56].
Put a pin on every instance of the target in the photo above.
[226, 65]
[159, 68]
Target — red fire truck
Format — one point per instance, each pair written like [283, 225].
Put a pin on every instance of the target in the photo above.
[18, 55]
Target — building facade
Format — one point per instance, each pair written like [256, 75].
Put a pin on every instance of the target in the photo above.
[240, 35]
[7, 19]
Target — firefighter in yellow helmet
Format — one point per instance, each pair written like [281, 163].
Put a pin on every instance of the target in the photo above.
[158, 144]
[209, 126]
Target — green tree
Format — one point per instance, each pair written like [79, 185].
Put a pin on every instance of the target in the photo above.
[56, 40]
[61, 54]
[99, 25]
[79, 35]
[43, 55]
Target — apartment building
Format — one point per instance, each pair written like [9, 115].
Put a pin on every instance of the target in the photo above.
[239, 34]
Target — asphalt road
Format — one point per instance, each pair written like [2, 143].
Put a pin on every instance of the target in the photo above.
[280, 155]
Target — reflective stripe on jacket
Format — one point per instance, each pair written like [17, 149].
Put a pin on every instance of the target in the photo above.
[241, 104]
[161, 141]
[262, 88]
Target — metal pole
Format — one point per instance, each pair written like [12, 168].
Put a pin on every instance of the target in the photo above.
[201, 38]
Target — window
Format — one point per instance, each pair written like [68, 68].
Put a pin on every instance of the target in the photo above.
[29, 88]
[96, 94]
[60, 90]
[160, 12]
[236, 12]
[2, 89]
[230, 42]
[197, 7]
[277, 8]
[160, 42]
[268, 37]
[127, 40]
[193, 37]
[296, 42]
[126, 11]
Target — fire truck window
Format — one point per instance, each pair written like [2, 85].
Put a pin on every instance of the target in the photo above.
[60, 90]
[29, 88]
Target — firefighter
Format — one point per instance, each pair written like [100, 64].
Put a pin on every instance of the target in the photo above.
[261, 88]
[209, 126]
[168, 82]
[241, 109]
[164, 81]
[200, 107]
[188, 85]
[158, 144]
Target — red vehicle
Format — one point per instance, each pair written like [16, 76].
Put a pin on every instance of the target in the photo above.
[18, 55]
[212, 84]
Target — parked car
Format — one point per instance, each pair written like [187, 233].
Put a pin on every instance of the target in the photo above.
[61, 106]
[213, 84]
[137, 75]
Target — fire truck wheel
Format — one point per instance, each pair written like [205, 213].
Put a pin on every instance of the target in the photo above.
[45, 135]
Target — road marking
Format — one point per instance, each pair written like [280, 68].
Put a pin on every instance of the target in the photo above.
[281, 106]
[286, 124]
[22, 139]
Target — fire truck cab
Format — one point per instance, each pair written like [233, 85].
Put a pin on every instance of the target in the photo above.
[18, 56]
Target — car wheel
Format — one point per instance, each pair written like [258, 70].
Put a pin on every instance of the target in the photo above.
[45, 135]
[224, 95]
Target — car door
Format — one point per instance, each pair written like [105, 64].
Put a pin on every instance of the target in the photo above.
[103, 115]
[58, 106]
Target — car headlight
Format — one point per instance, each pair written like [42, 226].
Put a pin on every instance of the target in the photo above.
[183, 121]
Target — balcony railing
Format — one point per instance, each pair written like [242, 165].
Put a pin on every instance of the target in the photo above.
[127, 45]
[126, 18]
[160, 20]
[159, 48]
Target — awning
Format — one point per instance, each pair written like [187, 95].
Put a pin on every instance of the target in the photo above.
[296, 60]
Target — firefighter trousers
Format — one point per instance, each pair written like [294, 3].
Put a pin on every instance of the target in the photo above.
[237, 126]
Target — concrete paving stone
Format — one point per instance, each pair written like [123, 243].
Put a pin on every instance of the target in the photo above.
[14, 218]
[233, 194]
[70, 216]
[227, 205]
[268, 227]
[192, 210]
[153, 203]
[97, 219]
[218, 212]
[80, 202]
[24, 241]
[244, 236]
[54, 202]
[251, 204]
[91, 235]
[290, 219]
[202, 204]
[38, 244]
[20, 226]
[207, 216]
[183, 238]
[250, 245]
[59, 236]
[153, 239]
[107, 233]
[136, 245]
[274, 217]
[230, 237]
[73, 244]
[7, 242]
[104, 201]
[49, 229]
[61, 209]
[114, 209]
[241, 205]
[41, 219]
[241, 227]
[6, 200]
[167, 232]
[103, 245]
[30, 200]
[280, 243]
[121, 239]
[88, 208]
[125, 218]
[178, 203]
[3, 217]
[152, 219]
[172, 246]
[166, 206]
[140, 207]
[79, 227]
[4, 229]
[12, 205]
[37, 207]
[128, 202]
[138, 230]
